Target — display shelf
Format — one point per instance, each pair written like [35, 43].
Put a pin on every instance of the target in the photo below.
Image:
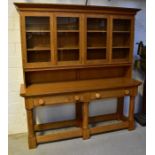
[68, 31]
[36, 31]
[97, 47]
[38, 49]
[120, 47]
[96, 31]
[68, 48]
[121, 31]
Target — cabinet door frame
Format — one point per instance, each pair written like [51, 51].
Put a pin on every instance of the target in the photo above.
[26, 64]
[131, 43]
[98, 61]
[72, 62]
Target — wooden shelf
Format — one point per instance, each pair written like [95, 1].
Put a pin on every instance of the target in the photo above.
[121, 31]
[37, 31]
[92, 31]
[120, 47]
[96, 47]
[68, 48]
[67, 30]
[120, 60]
[39, 49]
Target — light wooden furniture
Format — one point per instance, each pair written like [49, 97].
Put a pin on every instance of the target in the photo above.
[76, 54]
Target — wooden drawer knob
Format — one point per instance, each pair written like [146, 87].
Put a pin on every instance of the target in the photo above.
[41, 102]
[77, 98]
[97, 95]
[127, 92]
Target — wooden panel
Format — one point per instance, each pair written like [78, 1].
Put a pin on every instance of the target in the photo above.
[49, 76]
[74, 8]
[105, 72]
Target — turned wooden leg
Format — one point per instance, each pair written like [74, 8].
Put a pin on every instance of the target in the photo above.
[31, 133]
[78, 109]
[85, 123]
[131, 113]
[120, 107]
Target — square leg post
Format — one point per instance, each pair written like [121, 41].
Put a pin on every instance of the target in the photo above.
[120, 107]
[85, 122]
[30, 123]
[78, 109]
[131, 113]
[31, 133]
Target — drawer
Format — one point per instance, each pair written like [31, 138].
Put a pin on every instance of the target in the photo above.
[109, 93]
[58, 99]
[82, 97]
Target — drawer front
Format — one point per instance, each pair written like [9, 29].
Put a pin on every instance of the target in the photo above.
[109, 93]
[79, 97]
[58, 99]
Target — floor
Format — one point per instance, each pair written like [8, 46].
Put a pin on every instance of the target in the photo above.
[114, 143]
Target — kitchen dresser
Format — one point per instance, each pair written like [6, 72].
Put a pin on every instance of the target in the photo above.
[76, 54]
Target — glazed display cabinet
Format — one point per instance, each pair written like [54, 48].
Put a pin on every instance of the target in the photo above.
[76, 54]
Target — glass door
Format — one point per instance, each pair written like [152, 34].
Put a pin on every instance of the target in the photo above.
[121, 40]
[68, 39]
[96, 50]
[38, 49]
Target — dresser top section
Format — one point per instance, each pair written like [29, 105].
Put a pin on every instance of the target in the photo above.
[74, 8]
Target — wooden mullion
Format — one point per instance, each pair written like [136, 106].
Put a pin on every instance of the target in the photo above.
[52, 39]
[54, 36]
[110, 38]
[83, 39]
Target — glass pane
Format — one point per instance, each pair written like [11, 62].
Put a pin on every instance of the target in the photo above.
[96, 24]
[121, 39]
[96, 39]
[96, 54]
[38, 56]
[67, 23]
[121, 25]
[38, 39]
[68, 55]
[120, 53]
[68, 38]
[37, 23]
